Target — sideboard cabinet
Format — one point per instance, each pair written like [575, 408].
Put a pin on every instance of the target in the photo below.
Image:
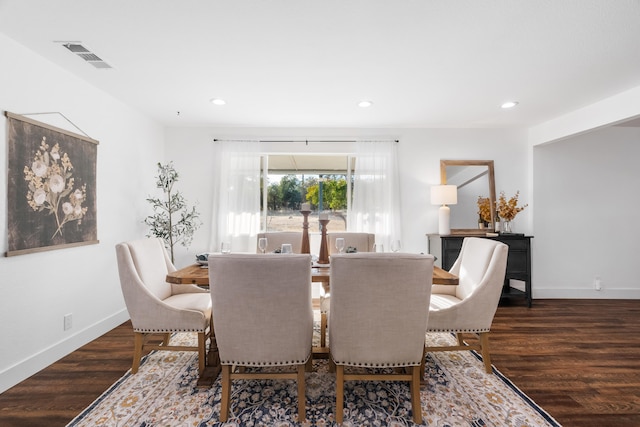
[518, 261]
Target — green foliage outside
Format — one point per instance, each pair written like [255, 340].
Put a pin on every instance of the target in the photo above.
[288, 193]
[334, 194]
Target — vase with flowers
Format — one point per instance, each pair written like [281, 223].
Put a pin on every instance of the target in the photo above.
[508, 209]
[484, 212]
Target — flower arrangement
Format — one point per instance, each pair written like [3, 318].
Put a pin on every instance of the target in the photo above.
[484, 209]
[51, 186]
[508, 209]
[162, 222]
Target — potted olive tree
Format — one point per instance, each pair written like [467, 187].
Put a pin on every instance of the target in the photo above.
[172, 220]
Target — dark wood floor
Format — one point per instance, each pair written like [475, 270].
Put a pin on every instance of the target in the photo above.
[578, 359]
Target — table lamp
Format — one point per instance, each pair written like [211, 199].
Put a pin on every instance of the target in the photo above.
[444, 195]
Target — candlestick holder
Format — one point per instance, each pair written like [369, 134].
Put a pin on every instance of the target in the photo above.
[323, 258]
[305, 233]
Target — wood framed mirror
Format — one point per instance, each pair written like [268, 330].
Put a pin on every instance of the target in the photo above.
[474, 179]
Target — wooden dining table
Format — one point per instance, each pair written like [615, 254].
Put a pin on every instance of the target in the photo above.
[197, 274]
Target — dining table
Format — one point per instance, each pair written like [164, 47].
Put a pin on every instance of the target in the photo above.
[197, 274]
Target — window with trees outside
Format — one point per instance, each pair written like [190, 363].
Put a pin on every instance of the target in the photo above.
[323, 181]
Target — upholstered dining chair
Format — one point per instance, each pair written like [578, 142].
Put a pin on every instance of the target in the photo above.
[362, 242]
[469, 307]
[158, 307]
[263, 318]
[275, 239]
[377, 319]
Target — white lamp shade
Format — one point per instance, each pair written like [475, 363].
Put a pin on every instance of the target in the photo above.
[444, 195]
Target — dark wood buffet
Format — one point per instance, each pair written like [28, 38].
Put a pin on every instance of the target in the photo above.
[518, 261]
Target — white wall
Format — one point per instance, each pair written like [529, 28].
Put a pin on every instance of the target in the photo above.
[419, 151]
[37, 290]
[586, 206]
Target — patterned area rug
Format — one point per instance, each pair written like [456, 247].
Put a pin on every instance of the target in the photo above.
[457, 392]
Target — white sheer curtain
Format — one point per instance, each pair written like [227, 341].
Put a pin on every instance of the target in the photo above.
[376, 194]
[236, 195]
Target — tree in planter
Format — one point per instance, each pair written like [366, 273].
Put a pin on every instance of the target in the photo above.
[173, 220]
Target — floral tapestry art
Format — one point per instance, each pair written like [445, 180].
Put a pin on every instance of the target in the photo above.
[52, 187]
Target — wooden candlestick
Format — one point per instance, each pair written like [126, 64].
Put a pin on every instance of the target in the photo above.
[323, 258]
[305, 233]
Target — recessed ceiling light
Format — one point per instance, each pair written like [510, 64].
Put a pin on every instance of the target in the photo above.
[365, 104]
[218, 101]
[509, 104]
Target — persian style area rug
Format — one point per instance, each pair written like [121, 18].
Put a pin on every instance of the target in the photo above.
[457, 392]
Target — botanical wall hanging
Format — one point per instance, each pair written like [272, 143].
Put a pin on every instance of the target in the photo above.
[51, 187]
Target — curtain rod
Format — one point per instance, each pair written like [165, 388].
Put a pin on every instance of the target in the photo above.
[306, 141]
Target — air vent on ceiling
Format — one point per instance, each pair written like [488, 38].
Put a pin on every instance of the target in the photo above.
[86, 54]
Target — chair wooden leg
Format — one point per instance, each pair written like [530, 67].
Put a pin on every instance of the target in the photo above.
[323, 330]
[486, 357]
[416, 405]
[226, 393]
[202, 351]
[423, 364]
[309, 364]
[213, 358]
[460, 338]
[339, 393]
[137, 351]
[166, 339]
[302, 397]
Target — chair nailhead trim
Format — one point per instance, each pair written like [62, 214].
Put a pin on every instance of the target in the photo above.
[377, 365]
[245, 363]
[163, 331]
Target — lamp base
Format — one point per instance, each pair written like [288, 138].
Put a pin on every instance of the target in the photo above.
[444, 228]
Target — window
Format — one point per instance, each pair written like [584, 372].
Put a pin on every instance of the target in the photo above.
[290, 180]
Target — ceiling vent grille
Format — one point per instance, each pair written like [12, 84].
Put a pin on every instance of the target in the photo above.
[86, 54]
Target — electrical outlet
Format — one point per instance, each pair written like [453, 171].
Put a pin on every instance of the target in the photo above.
[597, 283]
[68, 321]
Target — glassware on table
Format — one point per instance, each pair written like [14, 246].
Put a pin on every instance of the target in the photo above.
[395, 246]
[262, 244]
[378, 247]
[340, 244]
[225, 248]
[286, 248]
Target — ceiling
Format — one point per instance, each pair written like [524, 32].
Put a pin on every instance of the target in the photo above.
[304, 63]
[313, 164]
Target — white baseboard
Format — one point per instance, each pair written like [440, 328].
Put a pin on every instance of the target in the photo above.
[33, 364]
[605, 293]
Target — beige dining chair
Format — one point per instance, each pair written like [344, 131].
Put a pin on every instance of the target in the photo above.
[362, 242]
[469, 307]
[377, 319]
[157, 307]
[275, 239]
[263, 318]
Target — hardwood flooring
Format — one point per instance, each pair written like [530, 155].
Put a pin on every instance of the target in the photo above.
[578, 359]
